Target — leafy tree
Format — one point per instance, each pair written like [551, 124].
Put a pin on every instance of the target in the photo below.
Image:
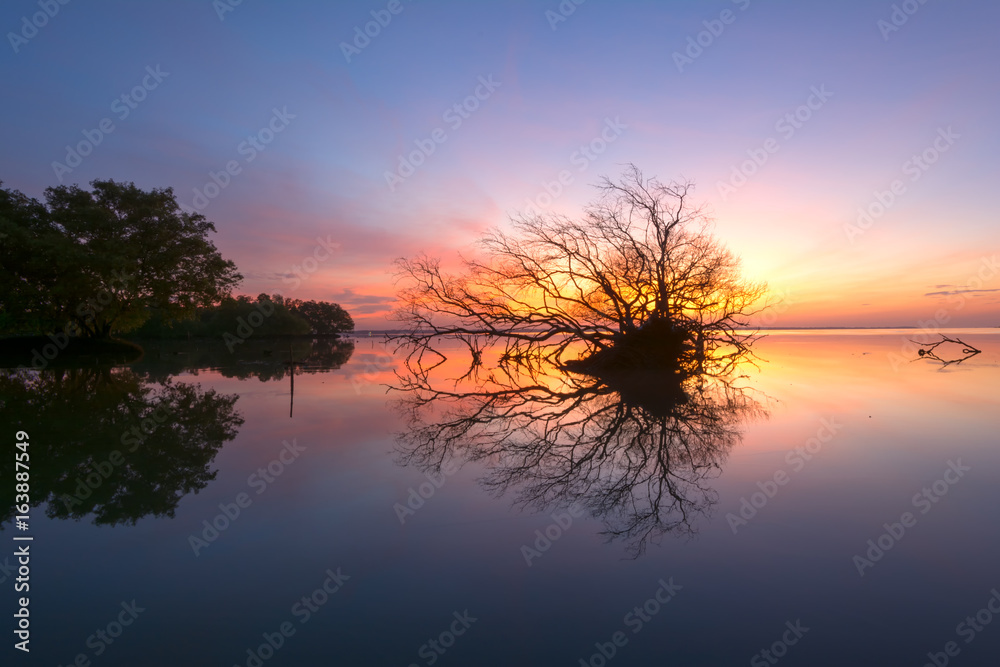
[281, 317]
[324, 317]
[32, 276]
[102, 261]
[265, 316]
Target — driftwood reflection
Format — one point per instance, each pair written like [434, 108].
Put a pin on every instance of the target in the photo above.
[929, 351]
[638, 451]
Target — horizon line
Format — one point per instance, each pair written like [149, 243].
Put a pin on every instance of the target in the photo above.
[835, 328]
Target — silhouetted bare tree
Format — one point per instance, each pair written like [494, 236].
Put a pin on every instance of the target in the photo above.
[639, 272]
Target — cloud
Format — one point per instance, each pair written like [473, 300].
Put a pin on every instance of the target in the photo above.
[266, 275]
[961, 291]
[351, 298]
[367, 310]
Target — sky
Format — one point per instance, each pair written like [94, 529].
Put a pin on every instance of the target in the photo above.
[845, 151]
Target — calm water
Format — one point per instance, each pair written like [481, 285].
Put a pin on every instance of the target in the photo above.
[702, 532]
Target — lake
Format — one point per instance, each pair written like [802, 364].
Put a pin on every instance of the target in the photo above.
[836, 504]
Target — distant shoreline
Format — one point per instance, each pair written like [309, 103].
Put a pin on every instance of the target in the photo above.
[386, 332]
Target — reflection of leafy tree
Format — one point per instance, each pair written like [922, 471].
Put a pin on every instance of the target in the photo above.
[143, 446]
[326, 354]
[636, 451]
[264, 359]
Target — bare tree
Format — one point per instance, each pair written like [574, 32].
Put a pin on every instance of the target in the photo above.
[636, 284]
[639, 272]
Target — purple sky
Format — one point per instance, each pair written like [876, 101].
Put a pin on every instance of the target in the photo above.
[788, 116]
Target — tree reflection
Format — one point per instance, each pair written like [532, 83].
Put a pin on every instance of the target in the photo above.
[637, 450]
[109, 442]
[263, 359]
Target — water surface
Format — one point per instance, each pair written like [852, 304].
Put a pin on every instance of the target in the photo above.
[852, 429]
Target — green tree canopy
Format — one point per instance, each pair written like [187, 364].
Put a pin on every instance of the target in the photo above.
[100, 261]
[324, 317]
[267, 315]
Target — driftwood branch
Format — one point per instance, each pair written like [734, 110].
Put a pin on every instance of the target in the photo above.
[928, 350]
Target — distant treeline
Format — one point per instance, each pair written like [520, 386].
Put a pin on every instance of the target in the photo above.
[264, 316]
[86, 265]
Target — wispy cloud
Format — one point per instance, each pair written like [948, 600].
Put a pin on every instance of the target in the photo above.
[349, 297]
[961, 291]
